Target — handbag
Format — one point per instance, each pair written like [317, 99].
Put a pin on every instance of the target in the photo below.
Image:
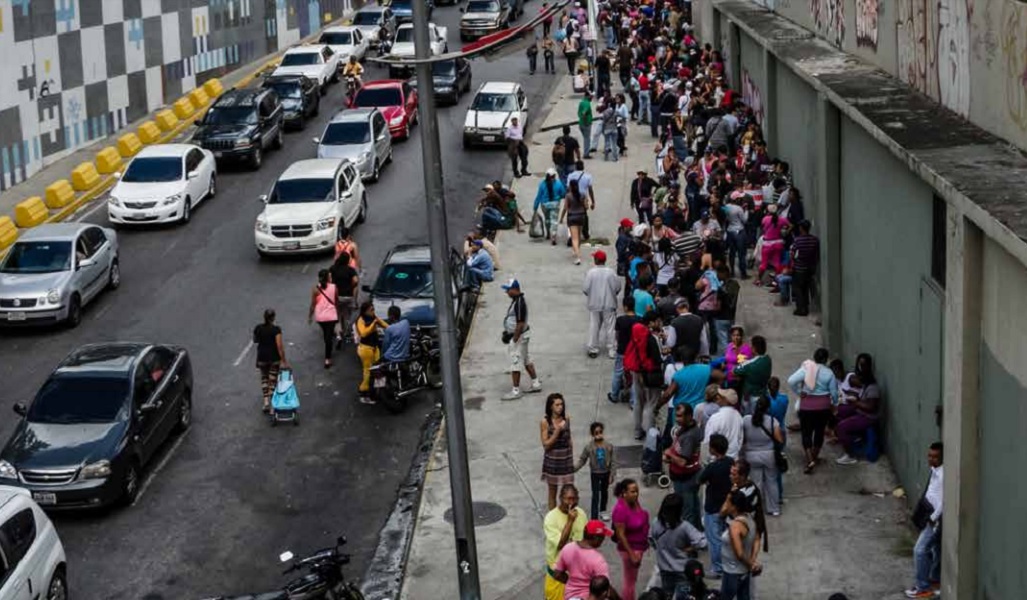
[537, 228]
[780, 458]
[679, 472]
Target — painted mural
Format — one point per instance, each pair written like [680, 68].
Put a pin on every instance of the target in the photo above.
[752, 96]
[1013, 44]
[78, 70]
[829, 19]
[954, 54]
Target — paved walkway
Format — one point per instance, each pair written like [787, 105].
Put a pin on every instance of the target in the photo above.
[841, 529]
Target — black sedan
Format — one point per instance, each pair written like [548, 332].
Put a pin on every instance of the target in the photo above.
[99, 418]
[300, 97]
[450, 79]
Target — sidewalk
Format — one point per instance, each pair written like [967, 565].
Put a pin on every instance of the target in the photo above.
[831, 522]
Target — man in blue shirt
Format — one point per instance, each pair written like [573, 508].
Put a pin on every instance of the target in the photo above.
[643, 297]
[688, 385]
[479, 265]
[397, 337]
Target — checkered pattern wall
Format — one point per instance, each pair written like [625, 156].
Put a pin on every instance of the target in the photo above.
[72, 71]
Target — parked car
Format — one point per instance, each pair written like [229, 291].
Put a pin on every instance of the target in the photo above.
[371, 18]
[405, 280]
[307, 204]
[360, 135]
[345, 41]
[316, 61]
[241, 125]
[450, 79]
[404, 9]
[484, 17]
[54, 270]
[403, 46]
[162, 184]
[494, 104]
[71, 453]
[396, 99]
[32, 560]
[300, 97]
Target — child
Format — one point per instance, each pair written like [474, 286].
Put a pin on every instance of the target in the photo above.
[599, 455]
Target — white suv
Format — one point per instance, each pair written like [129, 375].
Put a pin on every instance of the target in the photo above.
[32, 562]
[494, 104]
[306, 206]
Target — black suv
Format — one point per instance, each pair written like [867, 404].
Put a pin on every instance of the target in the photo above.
[300, 96]
[241, 124]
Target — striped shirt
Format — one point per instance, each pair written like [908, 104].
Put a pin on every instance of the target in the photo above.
[686, 243]
[805, 253]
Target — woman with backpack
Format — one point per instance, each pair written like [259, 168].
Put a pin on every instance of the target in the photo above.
[323, 300]
[550, 191]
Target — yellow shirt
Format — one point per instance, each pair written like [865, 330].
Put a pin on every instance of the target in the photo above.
[553, 526]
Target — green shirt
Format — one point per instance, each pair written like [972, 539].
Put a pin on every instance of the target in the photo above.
[585, 112]
[553, 524]
[755, 374]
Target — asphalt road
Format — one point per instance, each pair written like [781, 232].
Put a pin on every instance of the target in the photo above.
[224, 500]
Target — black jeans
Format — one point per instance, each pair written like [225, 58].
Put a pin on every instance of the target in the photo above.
[520, 152]
[532, 62]
[813, 423]
[801, 288]
[328, 331]
[572, 59]
[548, 62]
[600, 493]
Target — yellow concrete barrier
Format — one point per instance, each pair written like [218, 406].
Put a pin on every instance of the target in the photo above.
[129, 145]
[166, 119]
[59, 194]
[213, 87]
[108, 160]
[8, 233]
[199, 98]
[183, 108]
[30, 212]
[84, 177]
[149, 132]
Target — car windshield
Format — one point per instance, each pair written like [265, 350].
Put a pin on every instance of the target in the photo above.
[231, 115]
[301, 58]
[38, 257]
[494, 102]
[378, 97]
[405, 35]
[405, 281]
[368, 17]
[150, 169]
[482, 6]
[339, 134]
[444, 67]
[337, 38]
[69, 400]
[287, 89]
[295, 191]
[401, 5]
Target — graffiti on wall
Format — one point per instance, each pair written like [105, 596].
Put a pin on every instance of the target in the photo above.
[1013, 42]
[752, 96]
[954, 55]
[916, 46]
[829, 19]
[867, 13]
[984, 40]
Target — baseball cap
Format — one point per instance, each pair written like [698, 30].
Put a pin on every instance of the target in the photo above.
[730, 396]
[627, 223]
[512, 284]
[599, 255]
[596, 527]
[704, 213]
[551, 172]
[641, 172]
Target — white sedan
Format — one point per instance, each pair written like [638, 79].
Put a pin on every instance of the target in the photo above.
[163, 184]
[345, 42]
[316, 61]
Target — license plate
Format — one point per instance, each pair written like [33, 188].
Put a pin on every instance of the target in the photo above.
[16, 316]
[218, 154]
[379, 382]
[291, 246]
[488, 138]
[45, 498]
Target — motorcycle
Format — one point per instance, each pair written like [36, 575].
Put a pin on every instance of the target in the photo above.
[324, 580]
[352, 86]
[393, 382]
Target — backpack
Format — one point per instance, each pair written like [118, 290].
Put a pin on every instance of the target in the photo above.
[559, 152]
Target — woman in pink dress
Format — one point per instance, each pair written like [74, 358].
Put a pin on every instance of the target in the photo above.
[631, 531]
[773, 242]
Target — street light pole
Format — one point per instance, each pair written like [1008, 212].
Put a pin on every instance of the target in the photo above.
[452, 394]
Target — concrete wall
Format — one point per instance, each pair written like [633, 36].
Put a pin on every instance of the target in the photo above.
[75, 71]
[796, 135]
[753, 76]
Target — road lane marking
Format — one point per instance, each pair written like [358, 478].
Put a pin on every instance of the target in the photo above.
[170, 247]
[304, 269]
[160, 465]
[101, 312]
[89, 213]
[243, 354]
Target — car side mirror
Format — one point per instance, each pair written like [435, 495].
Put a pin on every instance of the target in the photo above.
[366, 288]
[317, 140]
[117, 174]
[262, 198]
[85, 262]
[193, 175]
[21, 409]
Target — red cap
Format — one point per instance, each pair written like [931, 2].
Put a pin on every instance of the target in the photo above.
[599, 255]
[595, 527]
[627, 223]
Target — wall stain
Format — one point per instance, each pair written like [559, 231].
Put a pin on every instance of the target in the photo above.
[984, 41]
[752, 96]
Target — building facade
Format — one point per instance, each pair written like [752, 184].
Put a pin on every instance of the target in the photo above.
[905, 125]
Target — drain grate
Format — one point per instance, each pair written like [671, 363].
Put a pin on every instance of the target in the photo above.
[485, 513]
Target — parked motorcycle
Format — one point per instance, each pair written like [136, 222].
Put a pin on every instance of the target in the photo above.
[393, 382]
[324, 579]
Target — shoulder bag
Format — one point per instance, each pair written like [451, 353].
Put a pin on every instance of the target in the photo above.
[780, 458]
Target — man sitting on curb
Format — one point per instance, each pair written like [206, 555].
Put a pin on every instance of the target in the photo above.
[479, 265]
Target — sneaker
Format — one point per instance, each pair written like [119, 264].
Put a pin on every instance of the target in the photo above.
[612, 354]
[593, 353]
[611, 398]
[513, 394]
[605, 516]
[915, 593]
[536, 387]
[367, 400]
[845, 459]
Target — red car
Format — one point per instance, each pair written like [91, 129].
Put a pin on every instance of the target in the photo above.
[395, 99]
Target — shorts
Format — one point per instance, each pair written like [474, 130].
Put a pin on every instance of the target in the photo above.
[518, 353]
[576, 220]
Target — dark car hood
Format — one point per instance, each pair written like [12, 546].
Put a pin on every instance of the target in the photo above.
[229, 131]
[419, 311]
[45, 445]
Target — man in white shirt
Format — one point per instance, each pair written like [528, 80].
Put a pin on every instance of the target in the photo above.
[602, 287]
[727, 422]
[927, 552]
[516, 148]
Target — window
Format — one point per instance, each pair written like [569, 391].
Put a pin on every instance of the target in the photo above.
[193, 160]
[95, 237]
[80, 399]
[143, 386]
[267, 105]
[150, 169]
[939, 233]
[351, 175]
[38, 257]
[83, 249]
[18, 534]
[157, 364]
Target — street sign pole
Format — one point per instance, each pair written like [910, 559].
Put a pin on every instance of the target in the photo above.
[452, 394]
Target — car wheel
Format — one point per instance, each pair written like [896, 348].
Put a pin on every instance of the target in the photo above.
[257, 159]
[467, 144]
[130, 484]
[375, 172]
[58, 589]
[277, 144]
[114, 277]
[363, 210]
[74, 311]
[212, 186]
[185, 413]
[187, 211]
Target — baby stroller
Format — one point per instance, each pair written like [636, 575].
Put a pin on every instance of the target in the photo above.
[285, 402]
[652, 459]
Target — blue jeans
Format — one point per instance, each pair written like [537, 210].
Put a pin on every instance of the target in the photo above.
[610, 145]
[680, 146]
[586, 139]
[643, 105]
[610, 35]
[475, 276]
[784, 286]
[723, 329]
[562, 171]
[714, 526]
[735, 587]
[736, 245]
[927, 557]
[617, 386]
[688, 489]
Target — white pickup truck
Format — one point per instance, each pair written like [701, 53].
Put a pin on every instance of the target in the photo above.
[403, 46]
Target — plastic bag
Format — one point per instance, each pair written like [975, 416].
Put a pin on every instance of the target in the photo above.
[562, 231]
[537, 229]
[285, 396]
